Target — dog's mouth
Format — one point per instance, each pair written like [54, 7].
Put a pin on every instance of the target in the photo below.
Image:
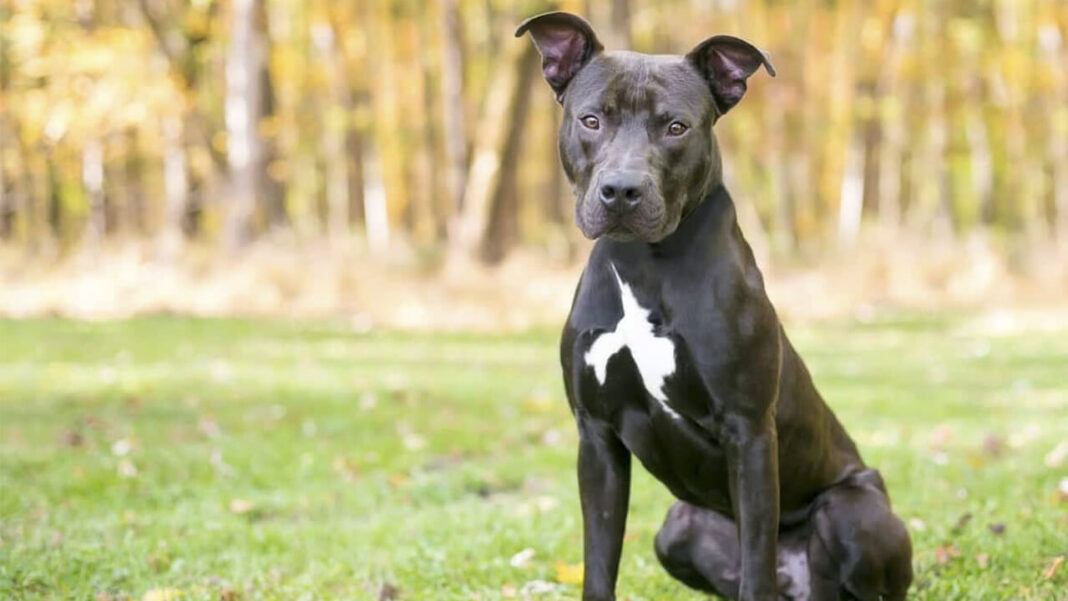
[648, 225]
[621, 230]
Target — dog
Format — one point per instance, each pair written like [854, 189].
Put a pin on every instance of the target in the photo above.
[673, 354]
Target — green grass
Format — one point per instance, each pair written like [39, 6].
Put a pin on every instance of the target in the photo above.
[276, 460]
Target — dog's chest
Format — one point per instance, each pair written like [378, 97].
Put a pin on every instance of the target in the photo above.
[653, 355]
[635, 373]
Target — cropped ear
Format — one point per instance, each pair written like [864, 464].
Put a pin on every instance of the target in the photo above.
[566, 43]
[726, 62]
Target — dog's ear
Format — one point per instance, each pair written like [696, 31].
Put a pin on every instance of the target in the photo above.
[566, 43]
[726, 62]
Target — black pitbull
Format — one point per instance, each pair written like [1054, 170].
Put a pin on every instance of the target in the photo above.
[673, 353]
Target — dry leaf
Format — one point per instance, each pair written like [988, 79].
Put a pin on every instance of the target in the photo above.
[1057, 455]
[388, 592]
[240, 506]
[127, 469]
[940, 437]
[368, 401]
[945, 553]
[209, 427]
[962, 521]
[121, 447]
[508, 591]
[983, 560]
[71, 438]
[162, 594]
[1051, 571]
[993, 444]
[522, 559]
[997, 529]
[569, 573]
[537, 587]
[539, 401]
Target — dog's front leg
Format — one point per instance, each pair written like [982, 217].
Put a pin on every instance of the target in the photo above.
[604, 485]
[754, 479]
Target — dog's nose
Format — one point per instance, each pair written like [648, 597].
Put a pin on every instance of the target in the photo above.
[621, 191]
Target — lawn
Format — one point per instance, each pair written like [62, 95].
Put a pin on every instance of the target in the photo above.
[166, 458]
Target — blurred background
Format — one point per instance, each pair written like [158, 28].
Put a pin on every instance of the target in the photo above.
[395, 160]
[382, 176]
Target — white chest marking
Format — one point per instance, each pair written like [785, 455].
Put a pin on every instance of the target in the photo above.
[654, 356]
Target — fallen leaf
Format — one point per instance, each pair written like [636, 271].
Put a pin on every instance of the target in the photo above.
[539, 401]
[71, 438]
[159, 562]
[1051, 571]
[962, 521]
[945, 553]
[388, 592]
[413, 442]
[508, 591]
[997, 529]
[537, 587]
[546, 503]
[983, 560]
[209, 427]
[368, 401]
[127, 469]
[240, 506]
[569, 573]
[552, 437]
[162, 594]
[121, 447]
[940, 437]
[1057, 455]
[349, 469]
[522, 558]
[993, 444]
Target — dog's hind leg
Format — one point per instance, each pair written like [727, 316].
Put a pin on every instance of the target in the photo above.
[699, 547]
[858, 549]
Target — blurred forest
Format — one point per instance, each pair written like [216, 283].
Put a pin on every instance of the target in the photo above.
[221, 123]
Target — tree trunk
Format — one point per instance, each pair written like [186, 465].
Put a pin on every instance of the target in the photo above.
[496, 151]
[245, 109]
[612, 19]
[386, 191]
[354, 140]
[7, 194]
[8, 185]
[134, 206]
[175, 188]
[96, 224]
[452, 104]
[336, 126]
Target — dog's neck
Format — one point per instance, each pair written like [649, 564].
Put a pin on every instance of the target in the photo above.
[697, 223]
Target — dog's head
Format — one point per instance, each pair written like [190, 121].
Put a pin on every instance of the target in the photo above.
[636, 139]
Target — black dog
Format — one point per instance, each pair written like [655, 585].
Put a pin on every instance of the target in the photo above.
[674, 354]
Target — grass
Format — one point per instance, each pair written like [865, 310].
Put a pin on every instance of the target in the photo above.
[170, 458]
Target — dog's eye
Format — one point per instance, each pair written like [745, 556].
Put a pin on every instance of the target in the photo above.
[591, 122]
[677, 128]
